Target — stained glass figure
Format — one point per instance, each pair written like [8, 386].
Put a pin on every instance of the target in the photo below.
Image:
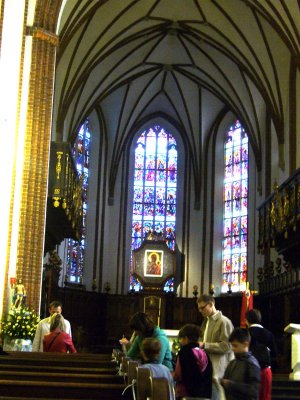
[154, 192]
[75, 250]
[235, 217]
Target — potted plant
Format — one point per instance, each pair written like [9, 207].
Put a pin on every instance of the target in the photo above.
[18, 329]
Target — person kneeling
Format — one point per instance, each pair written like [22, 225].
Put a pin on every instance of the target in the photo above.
[57, 340]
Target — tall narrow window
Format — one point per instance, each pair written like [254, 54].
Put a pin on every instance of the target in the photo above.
[235, 220]
[75, 251]
[154, 192]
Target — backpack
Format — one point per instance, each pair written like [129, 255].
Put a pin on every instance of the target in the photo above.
[261, 352]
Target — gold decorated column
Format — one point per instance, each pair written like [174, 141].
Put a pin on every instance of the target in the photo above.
[36, 158]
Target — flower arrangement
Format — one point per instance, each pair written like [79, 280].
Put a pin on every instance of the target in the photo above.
[20, 323]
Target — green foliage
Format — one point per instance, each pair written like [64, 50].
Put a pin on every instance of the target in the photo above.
[20, 323]
[175, 346]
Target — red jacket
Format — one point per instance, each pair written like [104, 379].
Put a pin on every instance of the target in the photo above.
[59, 342]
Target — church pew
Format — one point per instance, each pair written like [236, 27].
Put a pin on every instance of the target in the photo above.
[58, 369]
[60, 376]
[59, 359]
[59, 390]
[47, 355]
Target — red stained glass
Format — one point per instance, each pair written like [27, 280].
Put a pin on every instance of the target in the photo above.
[155, 185]
[235, 222]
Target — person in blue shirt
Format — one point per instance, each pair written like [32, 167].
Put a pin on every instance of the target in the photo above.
[150, 352]
[144, 327]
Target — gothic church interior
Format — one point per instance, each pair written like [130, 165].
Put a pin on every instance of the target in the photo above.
[194, 69]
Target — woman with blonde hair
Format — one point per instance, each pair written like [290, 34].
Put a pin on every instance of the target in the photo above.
[57, 340]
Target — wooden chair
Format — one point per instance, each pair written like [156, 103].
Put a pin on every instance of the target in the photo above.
[131, 377]
[161, 389]
[143, 384]
[132, 371]
[195, 398]
[123, 370]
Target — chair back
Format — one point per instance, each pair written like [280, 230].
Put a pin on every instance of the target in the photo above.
[143, 384]
[195, 398]
[161, 389]
[132, 371]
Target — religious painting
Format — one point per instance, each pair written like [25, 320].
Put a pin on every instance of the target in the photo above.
[153, 263]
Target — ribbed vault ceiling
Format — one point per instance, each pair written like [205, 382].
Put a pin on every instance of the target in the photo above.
[186, 60]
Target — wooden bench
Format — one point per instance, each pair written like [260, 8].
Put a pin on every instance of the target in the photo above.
[60, 390]
[59, 376]
[59, 359]
[58, 369]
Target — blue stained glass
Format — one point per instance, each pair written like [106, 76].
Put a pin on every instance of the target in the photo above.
[141, 140]
[172, 175]
[244, 242]
[169, 285]
[159, 227]
[160, 208]
[137, 209]
[160, 194]
[237, 169]
[161, 176]
[171, 196]
[139, 159]
[136, 243]
[135, 285]
[75, 250]
[161, 162]
[149, 195]
[227, 192]
[227, 243]
[147, 227]
[138, 194]
[148, 209]
[155, 181]
[139, 175]
[136, 229]
[227, 227]
[235, 219]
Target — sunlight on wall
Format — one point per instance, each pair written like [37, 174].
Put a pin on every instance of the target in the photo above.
[12, 130]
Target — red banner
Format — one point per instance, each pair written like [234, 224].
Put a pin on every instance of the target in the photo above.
[247, 304]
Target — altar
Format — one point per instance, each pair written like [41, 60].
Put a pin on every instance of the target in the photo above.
[294, 329]
[154, 263]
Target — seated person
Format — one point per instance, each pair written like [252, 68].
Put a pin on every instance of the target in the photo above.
[144, 327]
[57, 340]
[150, 352]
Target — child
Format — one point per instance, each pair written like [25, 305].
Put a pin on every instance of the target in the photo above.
[242, 375]
[150, 352]
[263, 348]
[193, 370]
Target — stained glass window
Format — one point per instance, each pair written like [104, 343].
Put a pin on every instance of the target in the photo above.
[154, 191]
[81, 155]
[235, 219]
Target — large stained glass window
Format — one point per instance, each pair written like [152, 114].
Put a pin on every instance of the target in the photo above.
[154, 192]
[235, 220]
[81, 155]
